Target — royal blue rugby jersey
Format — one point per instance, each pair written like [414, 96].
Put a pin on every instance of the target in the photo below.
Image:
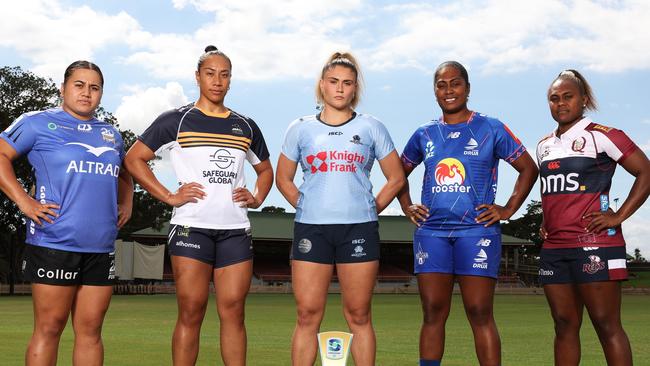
[209, 150]
[460, 171]
[76, 165]
[336, 163]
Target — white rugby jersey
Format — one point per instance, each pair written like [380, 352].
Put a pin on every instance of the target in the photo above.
[209, 150]
[576, 172]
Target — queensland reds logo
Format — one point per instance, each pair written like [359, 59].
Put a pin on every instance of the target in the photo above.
[450, 171]
[450, 176]
[578, 145]
[317, 162]
[594, 266]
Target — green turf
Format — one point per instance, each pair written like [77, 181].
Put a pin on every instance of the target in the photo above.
[638, 280]
[137, 330]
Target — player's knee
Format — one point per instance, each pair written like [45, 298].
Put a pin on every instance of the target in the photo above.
[566, 324]
[606, 326]
[308, 317]
[479, 315]
[191, 312]
[232, 311]
[357, 317]
[51, 327]
[434, 313]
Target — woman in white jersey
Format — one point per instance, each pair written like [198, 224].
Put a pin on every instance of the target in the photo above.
[210, 235]
[336, 213]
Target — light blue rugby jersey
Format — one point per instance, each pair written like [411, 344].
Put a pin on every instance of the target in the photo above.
[460, 171]
[76, 164]
[336, 163]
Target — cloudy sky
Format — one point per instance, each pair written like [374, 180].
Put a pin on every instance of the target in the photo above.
[513, 49]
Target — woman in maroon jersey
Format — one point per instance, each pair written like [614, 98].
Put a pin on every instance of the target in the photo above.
[583, 256]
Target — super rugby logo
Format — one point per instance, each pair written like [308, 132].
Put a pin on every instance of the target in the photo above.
[334, 161]
[450, 176]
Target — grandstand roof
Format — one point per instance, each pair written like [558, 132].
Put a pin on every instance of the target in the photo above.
[273, 226]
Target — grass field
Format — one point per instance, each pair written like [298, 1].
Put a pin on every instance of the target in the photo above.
[138, 329]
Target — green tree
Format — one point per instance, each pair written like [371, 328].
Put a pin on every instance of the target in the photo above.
[273, 209]
[527, 227]
[638, 257]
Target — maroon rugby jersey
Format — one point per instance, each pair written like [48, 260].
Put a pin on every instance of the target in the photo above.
[575, 170]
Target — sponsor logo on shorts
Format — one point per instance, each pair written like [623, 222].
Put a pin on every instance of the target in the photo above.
[304, 245]
[483, 242]
[57, 274]
[32, 227]
[358, 252]
[24, 265]
[421, 256]
[545, 272]
[111, 269]
[480, 261]
[594, 265]
[183, 231]
[181, 243]
[248, 231]
[587, 249]
[359, 241]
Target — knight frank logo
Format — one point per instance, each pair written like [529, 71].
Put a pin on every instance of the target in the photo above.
[334, 161]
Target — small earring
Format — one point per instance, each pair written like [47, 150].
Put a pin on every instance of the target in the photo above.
[584, 106]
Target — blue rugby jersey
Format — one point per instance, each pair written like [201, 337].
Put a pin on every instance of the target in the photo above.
[76, 164]
[461, 166]
[336, 163]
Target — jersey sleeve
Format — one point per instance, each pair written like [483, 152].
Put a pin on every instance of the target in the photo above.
[507, 146]
[290, 146]
[412, 154]
[382, 142]
[162, 131]
[615, 143]
[258, 152]
[21, 134]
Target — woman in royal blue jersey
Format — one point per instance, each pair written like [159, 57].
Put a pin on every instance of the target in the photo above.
[458, 235]
[210, 236]
[82, 196]
[583, 259]
[336, 213]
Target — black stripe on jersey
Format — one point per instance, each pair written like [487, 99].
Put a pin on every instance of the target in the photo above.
[210, 143]
[17, 136]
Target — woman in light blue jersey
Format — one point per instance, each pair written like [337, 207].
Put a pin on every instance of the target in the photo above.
[336, 213]
[458, 236]
[82, 196]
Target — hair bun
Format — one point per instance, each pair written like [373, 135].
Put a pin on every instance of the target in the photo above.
[211, 48]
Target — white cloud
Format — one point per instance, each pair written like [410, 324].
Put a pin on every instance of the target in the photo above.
[516, 35]
[52, 36]
[265, 40]
[138, 110]
[637, 231]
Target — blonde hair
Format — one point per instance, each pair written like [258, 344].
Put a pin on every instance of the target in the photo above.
[346, 60]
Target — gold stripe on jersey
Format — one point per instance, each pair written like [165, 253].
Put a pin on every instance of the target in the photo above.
[194, 139]
[209, 143]
[204, 139]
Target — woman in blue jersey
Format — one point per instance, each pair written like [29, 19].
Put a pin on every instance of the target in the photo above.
[458, 235]
[82, 196]
[210, 236]
[583, 259]
[336, 213]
